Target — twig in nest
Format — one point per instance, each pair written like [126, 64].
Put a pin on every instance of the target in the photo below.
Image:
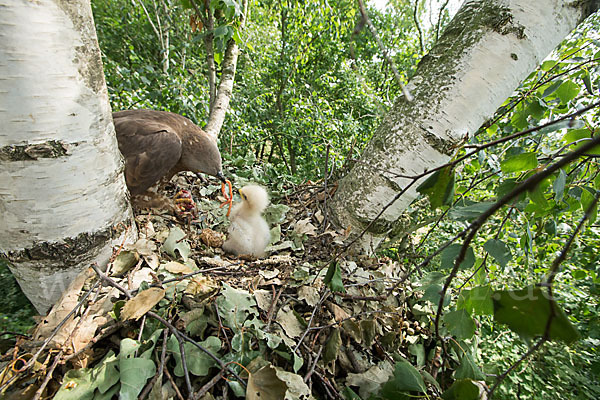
[204, 389]
[173, 384]
[38, 393]
[163, 360]
[311, 370]
[325, 294]
[33, 359]
[272, 307]
[222, 328]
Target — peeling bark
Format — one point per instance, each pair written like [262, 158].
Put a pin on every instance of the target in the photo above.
[484, 53]
[63, 199]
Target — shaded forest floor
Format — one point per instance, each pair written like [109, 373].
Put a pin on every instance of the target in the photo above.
[174, 317]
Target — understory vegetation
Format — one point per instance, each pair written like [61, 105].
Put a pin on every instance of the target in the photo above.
[311, 87]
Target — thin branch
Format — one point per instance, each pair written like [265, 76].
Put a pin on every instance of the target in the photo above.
[40, 391]
[418, 25]
[149, 18]
[439, 21]
[386, 55]
[512, 367]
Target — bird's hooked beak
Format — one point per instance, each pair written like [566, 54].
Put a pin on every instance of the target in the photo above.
[221, 177]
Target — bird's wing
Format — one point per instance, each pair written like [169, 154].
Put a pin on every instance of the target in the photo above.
[151, 149]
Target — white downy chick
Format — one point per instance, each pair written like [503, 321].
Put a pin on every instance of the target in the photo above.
[249, 233]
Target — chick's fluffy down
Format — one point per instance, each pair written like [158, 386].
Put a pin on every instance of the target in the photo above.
[249, 233]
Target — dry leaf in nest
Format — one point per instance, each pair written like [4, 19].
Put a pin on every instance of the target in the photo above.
[211, 238]
[178, 268]
[338, 312]
[305, 227]
[142, 303]
[200, 285]
[67, 302]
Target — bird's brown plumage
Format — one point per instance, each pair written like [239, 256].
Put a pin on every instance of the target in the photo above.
[157, 144]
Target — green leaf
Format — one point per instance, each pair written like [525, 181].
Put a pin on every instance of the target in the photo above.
[333, 278]
[332, 347]
[470, 212]
[588, 195]
[275, 214]
[175, 243]
[109, 394]
[349, 394]
[580, 136]
[535, 109]
[539, 203]
[439, 187]
[568, 91]
[519, 162]
[134, 371]
[477, 300]
[587, 82]
[526, 312]
[78, 384]
[468, 369]
[106, 373]
[433, 295]
[450, 254]
[499, 250]
[198, 362]
[460, 324]
[559, 185]
[235, 306]
[463, 389]
[552, 88]
[550, 227]
[418, 350]
[406, 378]
[134, 374]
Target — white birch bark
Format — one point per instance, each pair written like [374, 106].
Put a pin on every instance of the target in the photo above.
[219, 108]
[63, 199]
[486, 51]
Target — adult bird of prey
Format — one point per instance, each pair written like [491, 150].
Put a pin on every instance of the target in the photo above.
[159, 144]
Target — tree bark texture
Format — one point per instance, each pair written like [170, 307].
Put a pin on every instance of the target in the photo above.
[485, 52]
[63, 199]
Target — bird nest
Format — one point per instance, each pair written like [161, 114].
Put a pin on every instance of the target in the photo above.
[171, 316]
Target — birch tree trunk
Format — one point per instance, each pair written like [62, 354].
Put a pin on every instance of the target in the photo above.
[63, 199]
[485, 52]
[219, 107]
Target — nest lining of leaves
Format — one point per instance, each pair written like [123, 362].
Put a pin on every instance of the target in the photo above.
[173, 317]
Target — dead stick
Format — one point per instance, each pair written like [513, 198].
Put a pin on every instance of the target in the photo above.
[272, 309]
[173, 384]
[38, 393]
[204, 389]
[163, 360]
